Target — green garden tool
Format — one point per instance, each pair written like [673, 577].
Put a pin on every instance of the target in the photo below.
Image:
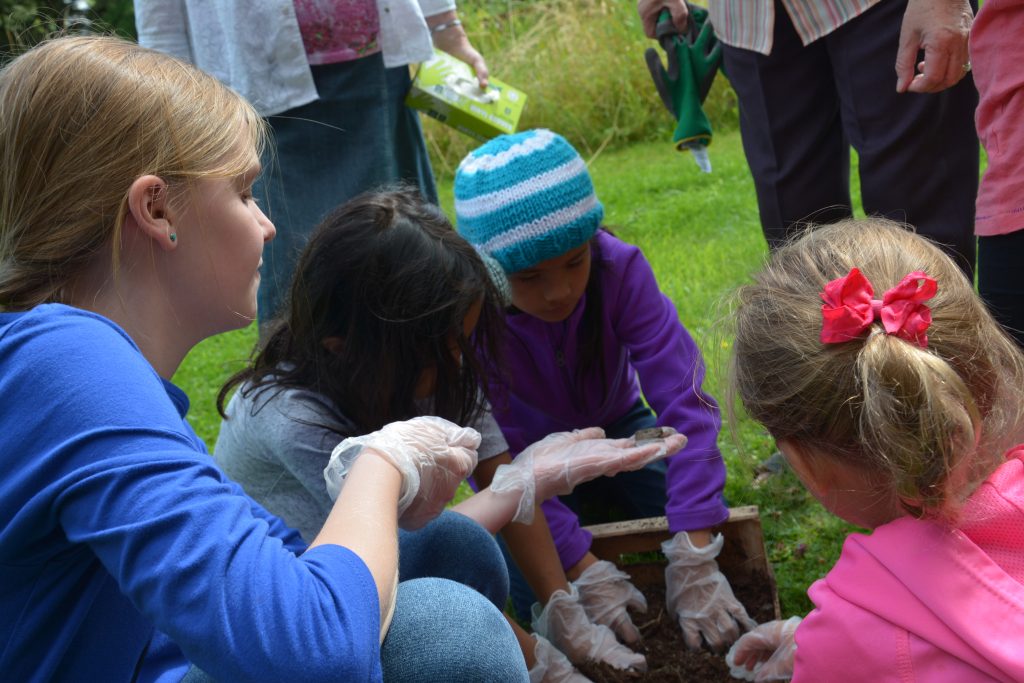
[694, 58]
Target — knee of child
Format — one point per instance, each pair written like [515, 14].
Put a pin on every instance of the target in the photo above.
[446, 631]
[455, 547]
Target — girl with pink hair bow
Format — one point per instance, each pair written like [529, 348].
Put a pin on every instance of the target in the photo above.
[902, 415]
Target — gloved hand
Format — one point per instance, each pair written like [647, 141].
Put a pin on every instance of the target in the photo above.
[433, 455]
[693, 60]
[765, 653]
[564, 622]
[552, 666]
[606, 594]
[700, 596]
[557, 463]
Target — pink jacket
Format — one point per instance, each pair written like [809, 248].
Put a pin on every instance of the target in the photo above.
[997, 52]
[916, 601]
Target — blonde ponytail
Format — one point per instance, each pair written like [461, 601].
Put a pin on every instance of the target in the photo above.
[933, 422]
[918, 419]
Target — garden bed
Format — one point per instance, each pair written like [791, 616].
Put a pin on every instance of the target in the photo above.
[635, 546]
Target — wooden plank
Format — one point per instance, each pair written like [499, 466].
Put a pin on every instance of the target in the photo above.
[635, 546]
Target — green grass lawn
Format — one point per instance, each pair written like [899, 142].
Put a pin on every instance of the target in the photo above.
[702, 237]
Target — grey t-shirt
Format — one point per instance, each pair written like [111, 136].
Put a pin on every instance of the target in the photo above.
[272, 445]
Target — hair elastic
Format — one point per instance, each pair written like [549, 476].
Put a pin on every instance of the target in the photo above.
[849, 309]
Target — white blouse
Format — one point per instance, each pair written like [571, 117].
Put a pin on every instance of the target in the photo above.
[256, 47]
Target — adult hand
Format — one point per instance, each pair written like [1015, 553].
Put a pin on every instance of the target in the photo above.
[940, 28]
[650, 10]
[556, 464]
[564, 622]
[453, 40]
[700, 596]
[607, 594]
[765, 653]
[433, 455]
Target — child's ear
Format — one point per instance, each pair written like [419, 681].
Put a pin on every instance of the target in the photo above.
[809, 469]
[148, 210]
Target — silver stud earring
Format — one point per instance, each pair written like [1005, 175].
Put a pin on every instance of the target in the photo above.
[173, 237]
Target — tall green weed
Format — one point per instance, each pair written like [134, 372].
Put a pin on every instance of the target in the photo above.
[23, 23]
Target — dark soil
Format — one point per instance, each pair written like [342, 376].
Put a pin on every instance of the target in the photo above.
[667, 656]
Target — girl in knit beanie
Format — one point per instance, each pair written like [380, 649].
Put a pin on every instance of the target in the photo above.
[588, 330]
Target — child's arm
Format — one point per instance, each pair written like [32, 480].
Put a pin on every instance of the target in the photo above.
[533, 550]
[365, 520]
[554, 466]
[530, 545]
[420, 462]
[670, 369]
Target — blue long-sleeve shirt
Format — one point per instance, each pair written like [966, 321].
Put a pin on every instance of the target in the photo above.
[124, 550]
[643, 346]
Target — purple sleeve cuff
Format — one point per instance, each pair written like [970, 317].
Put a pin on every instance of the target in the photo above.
[687, 518]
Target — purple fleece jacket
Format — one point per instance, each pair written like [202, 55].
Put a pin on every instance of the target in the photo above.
[538, 393]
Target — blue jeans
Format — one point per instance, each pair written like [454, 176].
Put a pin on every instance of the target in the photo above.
[447, 624]
[451, 628]
[443, 631]
[628, 495]
[456, 548]
[357, 136]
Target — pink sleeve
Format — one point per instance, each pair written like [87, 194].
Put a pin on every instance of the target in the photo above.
[840, 642]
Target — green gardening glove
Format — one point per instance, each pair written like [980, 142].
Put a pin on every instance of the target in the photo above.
[693, 61]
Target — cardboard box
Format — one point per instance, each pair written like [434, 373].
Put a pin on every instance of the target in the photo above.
[446, 89]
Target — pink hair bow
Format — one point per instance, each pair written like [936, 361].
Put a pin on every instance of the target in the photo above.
[849, 308]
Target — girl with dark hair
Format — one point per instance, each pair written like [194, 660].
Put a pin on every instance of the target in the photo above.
[376, 320]
[389, 311]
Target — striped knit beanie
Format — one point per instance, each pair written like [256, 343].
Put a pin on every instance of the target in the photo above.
[525, 198]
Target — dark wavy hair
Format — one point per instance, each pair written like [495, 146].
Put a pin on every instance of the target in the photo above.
[387, 276]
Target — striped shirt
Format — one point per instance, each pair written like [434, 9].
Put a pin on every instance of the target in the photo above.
[749, 24]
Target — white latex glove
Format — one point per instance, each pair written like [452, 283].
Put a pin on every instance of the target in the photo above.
[433, 455]
[564, 622]
[607, 594]
[700, 596]
[765, 653]
[552, 666]
[557, 463]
